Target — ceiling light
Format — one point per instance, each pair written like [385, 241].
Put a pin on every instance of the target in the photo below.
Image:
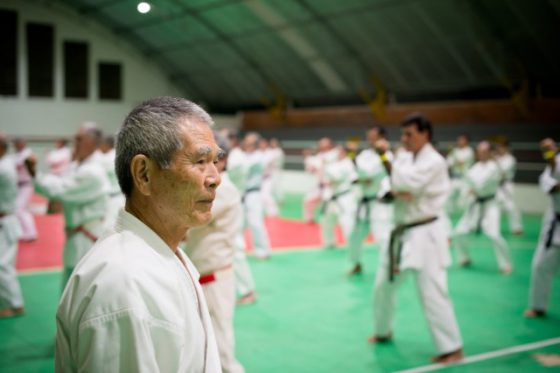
[144, 7]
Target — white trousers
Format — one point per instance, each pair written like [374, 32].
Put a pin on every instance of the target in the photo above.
[453, 204]
[341, 211]
[269, 200]
[244, 282]
[490, 226]
[431, 284]
[10, 291]
[26, 221]
[379, 222]
[254, 216]
[505, 197]
[546, 263]
[220, 297]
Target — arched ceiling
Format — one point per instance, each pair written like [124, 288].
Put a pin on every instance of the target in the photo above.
[234, 54]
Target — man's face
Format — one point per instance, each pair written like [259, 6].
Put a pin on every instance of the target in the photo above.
[185, 191]
[84, 145]
[483, 151]
[372, 136]
[462, 141]
[19, 145]
[250, 143]
[324, 145]
[412, 139]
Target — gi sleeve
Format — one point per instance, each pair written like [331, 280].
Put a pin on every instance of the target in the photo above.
[546, 181]
[80, 187]
[415, 177]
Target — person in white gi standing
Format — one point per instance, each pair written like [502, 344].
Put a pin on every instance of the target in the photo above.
[483, 214]
[211, 248]
[418, 245]
[11, 300]
[116, 198]
[134, 304]
[374, 212]
[82, 191]
[60, 157]
[506, 198]
[315, 164]
[459, 160]
[546, 260]
[25, 191]
[252, 199]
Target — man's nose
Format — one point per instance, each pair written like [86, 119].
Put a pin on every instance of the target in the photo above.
[213, 177]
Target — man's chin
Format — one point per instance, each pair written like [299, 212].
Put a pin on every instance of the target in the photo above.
[201, 219]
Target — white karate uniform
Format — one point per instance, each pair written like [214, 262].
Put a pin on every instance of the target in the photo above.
[116, 197]
[312, 199]
[425, 248]
[269, 203]
[83, 191]
[339, 203]
[10, 291]
[59, 160]
[505, 196]
[131, 305]
[459, 160]
[253, 203]
[25, 192]
[372, 214]
[211, 249]
[237, 173]
[546, 261]
[483, 214]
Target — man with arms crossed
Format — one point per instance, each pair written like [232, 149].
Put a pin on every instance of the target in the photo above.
[134, 304]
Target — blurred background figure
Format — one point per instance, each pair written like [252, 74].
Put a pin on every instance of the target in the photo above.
[25, 190]
[11, 299]
[459, 160]
[116, 198]
[59, 158]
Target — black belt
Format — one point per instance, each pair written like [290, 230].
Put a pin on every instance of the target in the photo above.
[22, 183]
[333, 198]
[550, 233]
[250, 190]
[482, 202]
[364, 203]
[395, 244]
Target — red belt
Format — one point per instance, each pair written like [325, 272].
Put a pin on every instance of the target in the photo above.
[211, 277]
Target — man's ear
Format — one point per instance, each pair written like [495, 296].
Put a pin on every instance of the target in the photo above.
[142, 171]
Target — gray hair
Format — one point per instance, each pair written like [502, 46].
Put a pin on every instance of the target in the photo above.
[93, 131]
[153, 129]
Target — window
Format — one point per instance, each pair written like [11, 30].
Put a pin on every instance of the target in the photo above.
[40, 60]
[8, 53]
[76, 69]
[109, 81]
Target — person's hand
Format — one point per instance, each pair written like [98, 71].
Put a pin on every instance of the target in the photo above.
[404, 196]
[381, 146]
[31, 165]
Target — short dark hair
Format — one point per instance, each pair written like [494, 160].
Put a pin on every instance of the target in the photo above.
[380, 130]
[421, 122]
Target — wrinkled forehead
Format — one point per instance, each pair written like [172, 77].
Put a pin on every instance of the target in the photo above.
[198, 139]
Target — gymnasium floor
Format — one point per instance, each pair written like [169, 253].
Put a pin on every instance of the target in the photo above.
[311, 317]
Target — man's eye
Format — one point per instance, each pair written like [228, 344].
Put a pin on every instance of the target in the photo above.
[202, 161]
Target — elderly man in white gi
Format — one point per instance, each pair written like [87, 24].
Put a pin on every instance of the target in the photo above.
[505, 196]
[459, 160]
[211, 248]
[546, 260]
[339, 203]
[82, 191]
[483, 214]
[11, 300]
[374, 212]
[418, 245]
[252, 199]
[134, 303]
[116, 198]
[25, 190]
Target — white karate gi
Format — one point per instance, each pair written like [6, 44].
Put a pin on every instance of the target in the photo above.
[116, 197]
[312, 199]
[25, 192]
[132, 306]
[339, 203]
[83, 191]
[425, 249]
[372, 214]
[274, 162]
[546, 260]
[459, 160]
[237, 173]
[10, 291]
[483, 214]
[505, 194]
[211, 249]
[59, 160]
[253, 203]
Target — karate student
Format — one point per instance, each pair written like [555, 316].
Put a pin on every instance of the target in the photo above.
[418, 245]
[25, 191]
[339, 203]
[270, 206]
[459, 160]
[252, 199]
[506, 199]
[11, 300]
[211, 248]
[59, 159]
[546, 260]
[312, 199]
[82, 191]
[374, 212]
[483, 215]
[116, 198]
[134, 303]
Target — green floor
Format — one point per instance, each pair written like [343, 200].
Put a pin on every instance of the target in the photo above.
[310, 317]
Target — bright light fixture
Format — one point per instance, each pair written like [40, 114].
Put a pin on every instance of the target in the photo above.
[144, 7]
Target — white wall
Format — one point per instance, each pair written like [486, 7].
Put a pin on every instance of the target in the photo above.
[142, 79]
